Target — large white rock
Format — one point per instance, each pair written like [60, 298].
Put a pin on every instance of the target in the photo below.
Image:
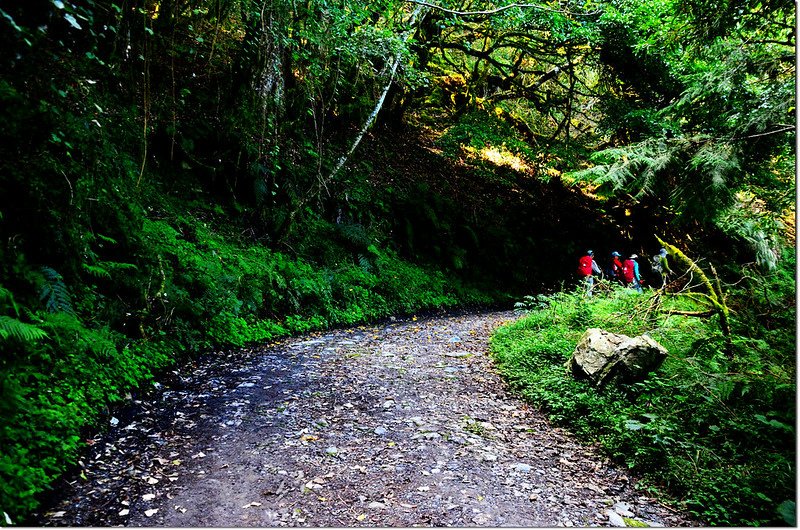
[601, 356]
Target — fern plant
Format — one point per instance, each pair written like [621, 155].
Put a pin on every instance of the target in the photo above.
[11, 327]
[532, 303]
[7, 298]
[54, 292]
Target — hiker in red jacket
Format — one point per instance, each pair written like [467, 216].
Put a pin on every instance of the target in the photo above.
[587, 268]
[630, 273]
[615, 271]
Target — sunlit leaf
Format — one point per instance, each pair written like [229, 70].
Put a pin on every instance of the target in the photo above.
[74, 23]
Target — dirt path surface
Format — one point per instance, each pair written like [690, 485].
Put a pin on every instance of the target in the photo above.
[400, 424]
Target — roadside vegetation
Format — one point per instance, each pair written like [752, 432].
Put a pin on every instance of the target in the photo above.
[711, 430]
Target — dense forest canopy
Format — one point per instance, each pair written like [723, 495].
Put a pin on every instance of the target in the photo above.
[180, 174]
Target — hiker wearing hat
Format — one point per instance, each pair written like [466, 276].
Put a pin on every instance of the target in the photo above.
[587, 268]
[660, 266]
[630, 273]
[615, 271]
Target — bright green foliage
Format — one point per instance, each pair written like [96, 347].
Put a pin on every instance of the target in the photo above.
[52, 391]
[61, 373]
[140, 222]
[165, 186]
[704, 123]
[717, 433]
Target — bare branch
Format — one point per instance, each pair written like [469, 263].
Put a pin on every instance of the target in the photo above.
[777, 131]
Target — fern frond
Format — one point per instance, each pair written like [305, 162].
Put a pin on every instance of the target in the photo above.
[106, 239]
[7, 297]
[104, 349]
[364, 263]
[96, 271]
[54, 292]
[118, 266]
[355, 233]
[759, 231]
[716, 162]
[11, 327]
[103, 269]
[532, 302]
[633, 168]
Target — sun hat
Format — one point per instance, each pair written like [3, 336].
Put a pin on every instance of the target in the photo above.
[634, 256]
[615, 253]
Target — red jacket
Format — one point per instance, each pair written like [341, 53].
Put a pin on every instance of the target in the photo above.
[627, 270]
[616, 267]
[585, 266]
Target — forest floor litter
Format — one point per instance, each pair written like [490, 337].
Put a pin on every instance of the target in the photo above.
[404, 423]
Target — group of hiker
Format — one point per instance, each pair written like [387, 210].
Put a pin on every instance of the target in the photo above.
[624, 271]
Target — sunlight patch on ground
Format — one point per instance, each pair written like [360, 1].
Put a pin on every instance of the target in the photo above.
[499, 156]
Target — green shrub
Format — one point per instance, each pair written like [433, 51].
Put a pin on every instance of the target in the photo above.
[715, 433]
[69, 353]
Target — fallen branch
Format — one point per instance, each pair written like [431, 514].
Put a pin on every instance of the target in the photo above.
[707, 313]
[713, 297]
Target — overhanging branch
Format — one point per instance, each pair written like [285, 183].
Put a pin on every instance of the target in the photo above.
[499, 9]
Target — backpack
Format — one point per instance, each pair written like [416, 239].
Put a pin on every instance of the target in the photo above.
[585, 266]
[655, 264]
[627, 270]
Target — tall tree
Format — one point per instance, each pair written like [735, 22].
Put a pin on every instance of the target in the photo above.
[706, 125]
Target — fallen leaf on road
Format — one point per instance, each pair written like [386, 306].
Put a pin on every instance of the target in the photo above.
[252, 504]
[151, 513]
[361, 517]
[148, 497]
[124, 512]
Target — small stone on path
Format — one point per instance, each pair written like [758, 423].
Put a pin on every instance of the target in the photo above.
[615, 519]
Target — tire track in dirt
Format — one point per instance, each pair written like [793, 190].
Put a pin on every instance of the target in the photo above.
[399, 424]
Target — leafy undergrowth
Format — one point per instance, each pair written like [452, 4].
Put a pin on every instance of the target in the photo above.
[712, 432]
[93, 339]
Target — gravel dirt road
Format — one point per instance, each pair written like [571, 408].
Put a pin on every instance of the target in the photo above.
[400, 424]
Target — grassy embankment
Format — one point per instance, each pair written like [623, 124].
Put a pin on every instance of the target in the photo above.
[715, 432]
